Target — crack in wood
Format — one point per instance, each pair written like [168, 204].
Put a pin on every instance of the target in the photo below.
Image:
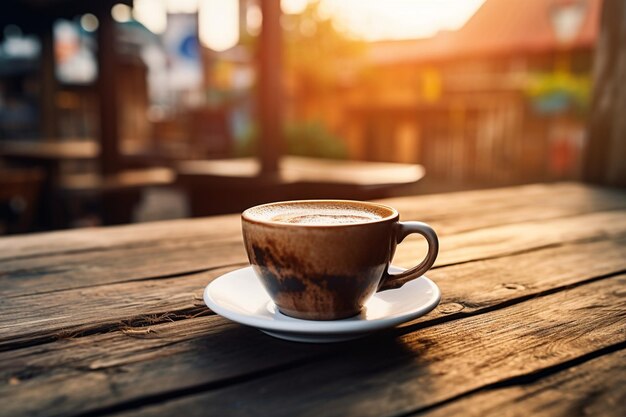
[508, 303]
[523, 379]
[196, 389]
[147, 278]
[123, 325]
[172, 242]
[201, 309]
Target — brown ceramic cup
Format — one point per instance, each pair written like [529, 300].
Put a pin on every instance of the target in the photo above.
[323, 259]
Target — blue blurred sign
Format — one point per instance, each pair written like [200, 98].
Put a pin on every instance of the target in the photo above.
[183, 51]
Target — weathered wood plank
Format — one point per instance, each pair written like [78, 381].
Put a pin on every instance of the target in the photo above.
[79, 270]
[470, 287]
[425, 367]
[488, 208]
[100, 307]
[77, 375]
[82, 374]
[594, 388]
[119, 237]
[43, 317]
[509, 239]
[177, 356]
[453, 212]
[62, 310]
[170, 363]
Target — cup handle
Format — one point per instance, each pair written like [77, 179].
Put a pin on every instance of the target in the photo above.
[403, 229]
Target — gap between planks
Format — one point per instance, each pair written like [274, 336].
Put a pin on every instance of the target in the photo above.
[466, 247]
[432, 208]
[596, 376]
[202, 397]
[284, 367]
[184, 308]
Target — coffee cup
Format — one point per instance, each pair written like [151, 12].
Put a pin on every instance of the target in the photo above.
[323, 259]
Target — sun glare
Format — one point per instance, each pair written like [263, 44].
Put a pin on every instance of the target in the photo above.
[219, 23]
[398, 19]
[152, 14]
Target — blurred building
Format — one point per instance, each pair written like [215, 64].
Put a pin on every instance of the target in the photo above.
[502, 100]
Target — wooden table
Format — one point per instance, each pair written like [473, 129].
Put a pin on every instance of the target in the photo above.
[298, 169]
[55, 150]
[50, 155]
[532, 321]
[298, 178]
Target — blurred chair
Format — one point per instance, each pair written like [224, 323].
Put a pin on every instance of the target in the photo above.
[112, 197]
[20, 194]
[210, 132]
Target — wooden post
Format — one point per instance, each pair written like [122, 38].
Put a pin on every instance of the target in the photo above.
[606, 148]
[48, 82]
[107, 91]
[269, 98]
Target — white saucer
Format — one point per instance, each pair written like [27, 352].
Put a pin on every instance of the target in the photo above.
[240, 297]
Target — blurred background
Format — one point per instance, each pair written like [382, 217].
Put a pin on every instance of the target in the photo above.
[117, 111]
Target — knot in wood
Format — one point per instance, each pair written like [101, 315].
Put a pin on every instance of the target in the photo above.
[512, 286]
[449, 308]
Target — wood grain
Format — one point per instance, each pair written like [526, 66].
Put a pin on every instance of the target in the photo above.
[594, 388]
[161, 358]
[453, 212]
[45, 316]
[428, 366]
[80, 270]
[473, 210]
[514, 238]
[119, 237]
[111, 320]
[77, 375]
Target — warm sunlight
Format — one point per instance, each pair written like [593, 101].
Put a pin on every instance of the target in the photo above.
[393, 19]
[152, 14]
[365, 19]
[219, 23]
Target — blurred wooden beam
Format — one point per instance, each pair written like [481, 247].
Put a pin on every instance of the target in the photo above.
[270, 90]
[606, 149]
[48, 84]
[107, 91]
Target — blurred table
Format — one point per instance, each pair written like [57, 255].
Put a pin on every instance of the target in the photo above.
[302, 169]
[56, 150]
[49, 155]
[110, 321]
[124, 179]
[231, 185]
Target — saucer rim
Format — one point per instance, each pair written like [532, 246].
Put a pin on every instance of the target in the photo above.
[300, 326]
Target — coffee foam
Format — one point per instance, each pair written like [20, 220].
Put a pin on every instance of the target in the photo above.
[319, 213]
[323, 218]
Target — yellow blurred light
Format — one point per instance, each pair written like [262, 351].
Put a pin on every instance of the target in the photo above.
[219, 24]
[89, 22]
[152, 14]
[254, 19]
[182, 6]
[293, 6]
[431, 84]
[121, 13]
[398, 19]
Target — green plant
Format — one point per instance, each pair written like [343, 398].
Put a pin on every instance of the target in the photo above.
[310, 139]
